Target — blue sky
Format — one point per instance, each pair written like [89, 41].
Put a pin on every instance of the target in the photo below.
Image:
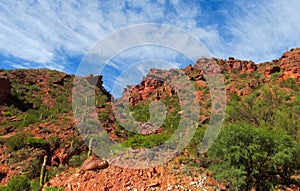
[43, 34]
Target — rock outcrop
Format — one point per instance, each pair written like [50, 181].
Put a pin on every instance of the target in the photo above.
[290, 63]
[233, 64]
[155, 83]
[96, 80]
[271, 70]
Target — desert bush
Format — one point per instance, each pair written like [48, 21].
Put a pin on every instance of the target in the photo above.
[243, 75]
[256, 109]
[249, 157]
[146, 141]
[20, 183]
[77, 160]
[51, 188]
[16, 142]
[36, 142]
[275, 75]
[32, 168]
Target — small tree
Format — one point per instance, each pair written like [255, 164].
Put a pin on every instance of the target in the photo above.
[250, 157]
[256, 109]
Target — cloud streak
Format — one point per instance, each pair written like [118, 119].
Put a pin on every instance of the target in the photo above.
[259, 30]
[50, 35]
[46, 33]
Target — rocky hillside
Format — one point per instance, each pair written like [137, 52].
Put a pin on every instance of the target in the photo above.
[36, 120]
[235, 71]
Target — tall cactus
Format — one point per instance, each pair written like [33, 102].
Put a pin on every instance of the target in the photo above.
[24, 119]
[45, 177]
[43, 171]
[86, 98]
[90, 147]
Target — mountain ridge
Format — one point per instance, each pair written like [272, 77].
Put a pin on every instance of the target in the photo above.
[36, 119]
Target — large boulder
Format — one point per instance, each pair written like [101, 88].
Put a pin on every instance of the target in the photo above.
[93, 163]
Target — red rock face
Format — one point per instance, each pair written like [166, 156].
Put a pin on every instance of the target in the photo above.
[290, 63]
[271, 70]
[5, 87]
[240, 65]
[146, 88]
[153, 84]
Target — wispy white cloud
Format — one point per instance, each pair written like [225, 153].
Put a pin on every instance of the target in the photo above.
[48, 34]
[128, 67]
[45, 33]
[260, 30]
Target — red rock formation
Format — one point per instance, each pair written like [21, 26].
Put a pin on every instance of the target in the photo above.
[208, 65]
[240, 65]
[290, 63]
[155, 83]
[194, 73]
[271, 70]
[97, 81]
[145, 89]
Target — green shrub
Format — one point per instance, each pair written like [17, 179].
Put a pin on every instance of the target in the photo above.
[32, 168]
[291, 81]
[226, 75]
[292, 84]
[275, 76]
[257, 75]
[256, 110]
[36, 142]
[140, 112]
[32, 117]
[16, 142]
[11, 111]
[194, 145]
[34, 185]
[51, 188]
[104, 117]
[19, 156]
[287, 97]
[54, 141]
[249, 157]
[18, 183]
[243, 75]
[146, 141]
[77, 160]
[62, 107]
